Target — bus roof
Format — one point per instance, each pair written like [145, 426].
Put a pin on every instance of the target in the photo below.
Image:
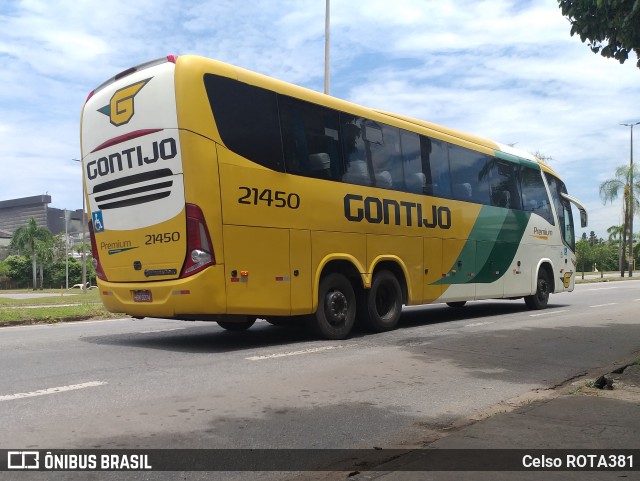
[504, 151]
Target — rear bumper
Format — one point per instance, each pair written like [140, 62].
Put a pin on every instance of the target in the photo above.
[200, 294]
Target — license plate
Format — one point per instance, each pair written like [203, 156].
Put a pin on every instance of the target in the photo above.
[142, 296]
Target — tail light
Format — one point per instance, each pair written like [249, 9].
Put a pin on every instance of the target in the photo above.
[94, 253]
[199, 248]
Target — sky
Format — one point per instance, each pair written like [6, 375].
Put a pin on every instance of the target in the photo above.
[507, 70]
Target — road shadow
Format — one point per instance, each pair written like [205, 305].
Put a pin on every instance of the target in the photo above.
[209, 338]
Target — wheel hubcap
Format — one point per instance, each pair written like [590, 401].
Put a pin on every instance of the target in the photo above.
[336, 307]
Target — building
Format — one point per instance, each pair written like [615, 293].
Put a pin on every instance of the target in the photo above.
[17, 212]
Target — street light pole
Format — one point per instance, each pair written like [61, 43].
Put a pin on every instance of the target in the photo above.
[84, 230]
[326, 46]
[66, 246]
[630, 236]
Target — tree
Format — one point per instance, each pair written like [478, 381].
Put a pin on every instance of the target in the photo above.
[611, 189]
[611, 27]
[44, 253]
[25, 240]
[616, 233]
[584, 255]
[19, 269]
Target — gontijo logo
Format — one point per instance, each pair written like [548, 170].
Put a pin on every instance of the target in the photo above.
[120, 108]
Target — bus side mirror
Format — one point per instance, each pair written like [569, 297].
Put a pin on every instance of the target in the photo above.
[583, 218]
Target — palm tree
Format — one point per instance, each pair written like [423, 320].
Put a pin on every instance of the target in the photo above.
[611, 189]
[25, 239]
[44, 253]
[615, 236]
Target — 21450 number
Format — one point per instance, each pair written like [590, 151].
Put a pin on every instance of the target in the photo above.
[253, 196]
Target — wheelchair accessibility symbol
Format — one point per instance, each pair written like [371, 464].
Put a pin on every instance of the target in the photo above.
[98, 224]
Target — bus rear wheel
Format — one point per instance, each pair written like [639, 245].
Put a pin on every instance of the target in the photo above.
[540, 299]
[382, 304]
[336, 312]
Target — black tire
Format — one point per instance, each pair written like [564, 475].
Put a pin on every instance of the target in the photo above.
[540, 299]
[456, 304]
[382, 304]
[336, 312]
[237, 326]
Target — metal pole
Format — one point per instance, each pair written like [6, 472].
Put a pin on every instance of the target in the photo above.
[630, 259]
[66, 245]
[84, 233]
[326, 47]
[631, 205]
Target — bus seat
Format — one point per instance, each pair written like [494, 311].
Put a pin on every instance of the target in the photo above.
[384, 180]
[320, 165]
[357, 173]
[462, 191]
[416, 182]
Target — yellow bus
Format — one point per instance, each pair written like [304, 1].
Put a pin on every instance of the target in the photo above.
[220, 194]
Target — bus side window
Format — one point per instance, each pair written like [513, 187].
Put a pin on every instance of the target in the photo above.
[415, 179]
[534, 194]
[386, 157]
[355, 152]
[435, 162]
[503, 184]
[469, 181]
[310, 139]
[247, 119]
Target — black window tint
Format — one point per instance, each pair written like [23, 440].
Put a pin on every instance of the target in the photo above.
[247, 119]
[310, 139]
[357, 162]
[383, 143]
[534, 194]
[503, 184]
[436, 167]
[469, 180]
[415, 179]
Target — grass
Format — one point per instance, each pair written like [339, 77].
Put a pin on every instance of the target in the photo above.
[53, 308]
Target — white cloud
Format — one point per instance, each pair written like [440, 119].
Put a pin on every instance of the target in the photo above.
[504, 69]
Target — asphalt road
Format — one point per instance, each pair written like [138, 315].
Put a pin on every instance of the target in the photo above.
[172, 384]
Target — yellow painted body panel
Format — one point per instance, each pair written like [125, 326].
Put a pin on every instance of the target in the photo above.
[433, 270]
[173, 298]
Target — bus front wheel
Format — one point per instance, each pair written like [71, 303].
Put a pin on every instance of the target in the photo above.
[336, 312]
[382, 304]
[540, 299]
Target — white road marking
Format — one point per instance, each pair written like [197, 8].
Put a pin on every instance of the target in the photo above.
[293, 353]
[548, 313]
[479, 324]
[152, 331]
[605, 305]
[51, 390]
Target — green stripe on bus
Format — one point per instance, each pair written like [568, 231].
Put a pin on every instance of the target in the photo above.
[490, 250]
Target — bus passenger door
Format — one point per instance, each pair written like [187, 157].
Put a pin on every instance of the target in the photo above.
[258, 279]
